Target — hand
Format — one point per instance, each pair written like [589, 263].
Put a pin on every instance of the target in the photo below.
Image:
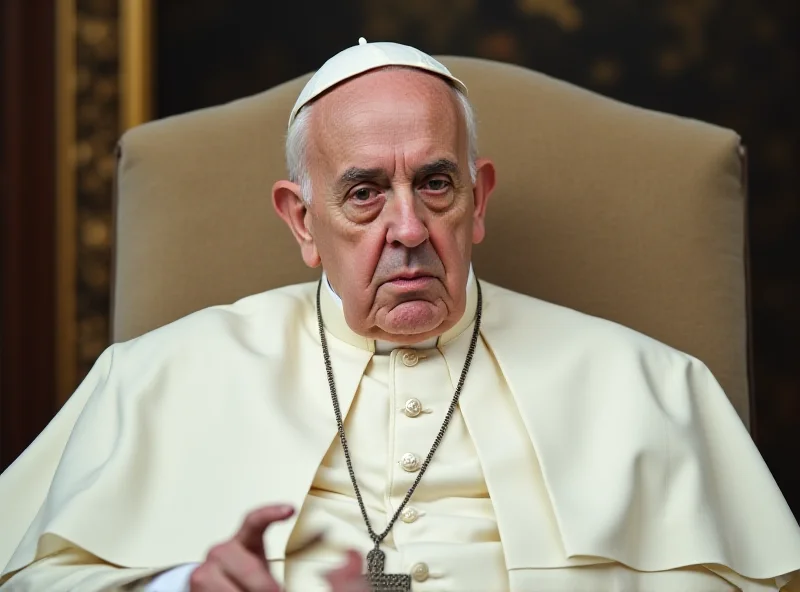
[348, 578]
[240, 564]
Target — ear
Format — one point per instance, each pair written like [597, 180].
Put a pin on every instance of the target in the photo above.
[484, 185]
[294, 211]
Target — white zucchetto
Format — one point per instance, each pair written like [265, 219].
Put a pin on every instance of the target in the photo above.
[364, 57]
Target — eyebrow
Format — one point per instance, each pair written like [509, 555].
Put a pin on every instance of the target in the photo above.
[438, 167]
[356, 175]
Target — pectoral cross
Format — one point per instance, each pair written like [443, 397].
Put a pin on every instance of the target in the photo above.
[383, 582]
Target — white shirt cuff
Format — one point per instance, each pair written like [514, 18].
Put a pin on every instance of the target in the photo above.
[174, 580]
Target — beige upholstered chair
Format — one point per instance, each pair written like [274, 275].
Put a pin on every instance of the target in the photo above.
[619, 212]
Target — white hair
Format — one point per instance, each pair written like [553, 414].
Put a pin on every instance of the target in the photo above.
[298, 136]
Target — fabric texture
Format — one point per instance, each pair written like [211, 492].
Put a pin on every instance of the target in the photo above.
[625, 450]
[75, 570]
[615, 211]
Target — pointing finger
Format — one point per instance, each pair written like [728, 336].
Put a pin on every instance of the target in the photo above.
[251, 534]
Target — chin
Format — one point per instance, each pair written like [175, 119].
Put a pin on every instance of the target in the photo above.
[415, 320]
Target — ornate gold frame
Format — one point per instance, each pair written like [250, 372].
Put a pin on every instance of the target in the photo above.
[66, 214]
[134, 81]
[136, 62]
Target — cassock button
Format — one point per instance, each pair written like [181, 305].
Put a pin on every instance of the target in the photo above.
[410, 358]
[413, 408]
[409, 515]
[409, 462]
[420, 572]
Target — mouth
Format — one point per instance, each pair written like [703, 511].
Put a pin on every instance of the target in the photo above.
[411, 280]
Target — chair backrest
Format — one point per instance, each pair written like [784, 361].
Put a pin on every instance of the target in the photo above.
[620, 212]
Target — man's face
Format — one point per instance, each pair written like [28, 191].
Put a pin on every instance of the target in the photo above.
[394, 213]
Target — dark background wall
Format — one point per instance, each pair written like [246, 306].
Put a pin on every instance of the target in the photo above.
[730, 62]
[27, 222]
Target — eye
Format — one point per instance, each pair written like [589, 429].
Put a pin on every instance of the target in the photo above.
[436, 185]
[363, 194]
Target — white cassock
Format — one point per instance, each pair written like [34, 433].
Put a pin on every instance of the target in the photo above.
[583, 456]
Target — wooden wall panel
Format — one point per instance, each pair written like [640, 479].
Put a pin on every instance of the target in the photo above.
[27, 223]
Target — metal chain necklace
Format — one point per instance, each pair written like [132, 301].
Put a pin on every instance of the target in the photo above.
[380, 581]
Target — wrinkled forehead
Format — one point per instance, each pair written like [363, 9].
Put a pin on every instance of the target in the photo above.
[384, 110]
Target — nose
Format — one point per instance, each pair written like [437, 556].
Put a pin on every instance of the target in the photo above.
[405, 226]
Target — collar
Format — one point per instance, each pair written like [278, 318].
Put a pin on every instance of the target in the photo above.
[335, 323]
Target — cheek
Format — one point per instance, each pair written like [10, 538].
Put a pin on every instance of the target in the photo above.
[355, 256]
[452, 238]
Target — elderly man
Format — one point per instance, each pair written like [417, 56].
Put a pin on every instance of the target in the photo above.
[398, 419]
